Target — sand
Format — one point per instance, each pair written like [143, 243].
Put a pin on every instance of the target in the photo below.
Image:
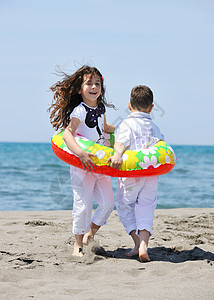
[36, 260]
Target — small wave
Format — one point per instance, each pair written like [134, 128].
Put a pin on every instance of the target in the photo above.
[5, 193]
[181, 170]
[166, 206]
[205, 197]
[51, 166]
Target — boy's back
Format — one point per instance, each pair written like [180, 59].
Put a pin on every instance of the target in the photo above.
[138, 131]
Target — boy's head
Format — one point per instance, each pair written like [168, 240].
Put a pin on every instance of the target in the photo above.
[141, 99]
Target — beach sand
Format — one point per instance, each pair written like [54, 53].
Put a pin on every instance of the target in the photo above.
[36, 260]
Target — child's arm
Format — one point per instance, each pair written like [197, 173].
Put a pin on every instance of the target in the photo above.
[69, 139]
[116, 159]
[108, 128]
[122, 140]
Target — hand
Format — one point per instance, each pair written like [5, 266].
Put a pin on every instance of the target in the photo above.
[116, 161]
[86, 160]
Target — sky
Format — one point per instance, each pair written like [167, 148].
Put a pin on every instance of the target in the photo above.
[166, 45]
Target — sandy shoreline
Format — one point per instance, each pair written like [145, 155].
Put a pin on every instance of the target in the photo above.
[36, 261]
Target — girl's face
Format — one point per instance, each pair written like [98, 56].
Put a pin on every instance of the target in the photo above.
[90, 89]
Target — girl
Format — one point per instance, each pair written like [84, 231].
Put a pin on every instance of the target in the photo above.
[79, 107]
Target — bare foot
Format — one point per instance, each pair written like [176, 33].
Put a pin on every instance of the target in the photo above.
[90, 235]
[77, 251]
[144, 257]
[143, 249]
[133, 252]
[143, 254]
[87, 238]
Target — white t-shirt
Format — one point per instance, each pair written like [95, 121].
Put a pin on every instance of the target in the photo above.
[138, 131]
[91, 122]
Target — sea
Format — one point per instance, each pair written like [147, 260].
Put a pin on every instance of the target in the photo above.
[32, 178]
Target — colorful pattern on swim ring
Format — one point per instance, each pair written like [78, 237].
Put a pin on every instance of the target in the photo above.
[156, 160]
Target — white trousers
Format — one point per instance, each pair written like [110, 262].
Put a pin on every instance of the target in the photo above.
[136, 202]
[87, 185]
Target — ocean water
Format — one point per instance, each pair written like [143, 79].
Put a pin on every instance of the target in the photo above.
[32, 178]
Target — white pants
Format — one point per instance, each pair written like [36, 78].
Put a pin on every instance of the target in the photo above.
[136, 202]
[86, 185]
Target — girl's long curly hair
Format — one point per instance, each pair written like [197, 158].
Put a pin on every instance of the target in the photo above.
[66, 95]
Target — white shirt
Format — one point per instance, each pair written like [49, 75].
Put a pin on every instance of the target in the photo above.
[91, 122]
[138, 131]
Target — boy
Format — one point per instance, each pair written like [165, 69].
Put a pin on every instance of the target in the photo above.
[137, 197]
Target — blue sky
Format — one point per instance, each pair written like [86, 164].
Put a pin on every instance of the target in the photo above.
[167, 45]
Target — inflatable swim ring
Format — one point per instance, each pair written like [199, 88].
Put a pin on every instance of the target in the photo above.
[156, 160]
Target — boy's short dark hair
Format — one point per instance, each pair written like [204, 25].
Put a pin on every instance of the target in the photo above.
[141, 97]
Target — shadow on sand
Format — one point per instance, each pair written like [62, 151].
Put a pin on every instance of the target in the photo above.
[161, 254]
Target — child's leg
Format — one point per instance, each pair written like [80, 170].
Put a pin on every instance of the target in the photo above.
[103, 196]
[83, 185]
[144, 212]
[78, 245]
[136, 240]
[143, 249]
[90, 235]
[127, 193]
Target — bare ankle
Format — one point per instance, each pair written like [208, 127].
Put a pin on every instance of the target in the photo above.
[78, 245]
[143, 252]
[135, 239]
[77, 251]
[94, 228]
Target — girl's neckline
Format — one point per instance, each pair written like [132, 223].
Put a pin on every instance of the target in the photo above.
[93, 107]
